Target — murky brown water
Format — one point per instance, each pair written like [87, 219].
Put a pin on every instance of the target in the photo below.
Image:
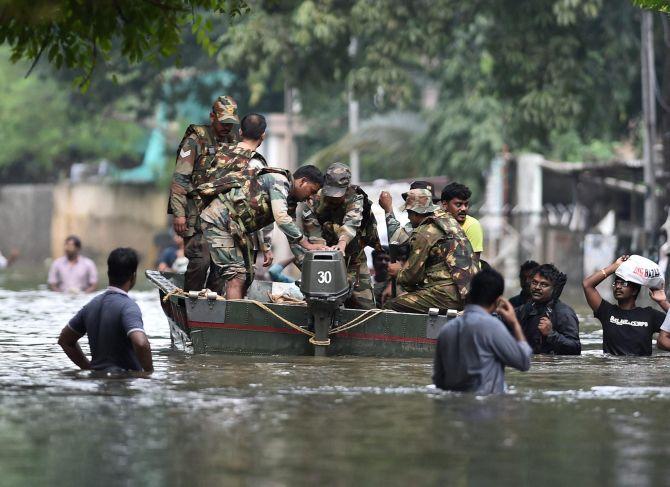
[220, 420]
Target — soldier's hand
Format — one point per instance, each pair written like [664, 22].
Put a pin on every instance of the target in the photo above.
[387, 293]
[545, 326]
[179, 225]
[394, 268]
[386, 201]
[268, 257]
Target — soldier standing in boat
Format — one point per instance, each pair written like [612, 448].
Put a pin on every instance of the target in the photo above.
[195, 151]
[340, 216]
[441, 262]
[246, 202]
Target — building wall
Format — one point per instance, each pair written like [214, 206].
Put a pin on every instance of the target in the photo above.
[25, 216]
[108, 216]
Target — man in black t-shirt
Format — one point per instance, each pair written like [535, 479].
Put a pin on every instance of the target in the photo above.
[627, 328]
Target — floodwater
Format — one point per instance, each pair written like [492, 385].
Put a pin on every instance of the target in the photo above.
[222, 420]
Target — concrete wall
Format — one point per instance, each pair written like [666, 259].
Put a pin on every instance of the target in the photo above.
[25, 220]
[107, 216]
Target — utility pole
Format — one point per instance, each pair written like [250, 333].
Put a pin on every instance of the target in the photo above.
[649, 112]
[354, 160]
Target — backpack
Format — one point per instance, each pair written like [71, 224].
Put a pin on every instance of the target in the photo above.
[252, 212]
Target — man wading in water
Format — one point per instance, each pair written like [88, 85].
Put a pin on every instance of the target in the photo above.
[627, 328]
[113, 323]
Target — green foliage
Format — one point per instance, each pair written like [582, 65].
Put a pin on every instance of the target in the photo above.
[77, 35]
[47, 133]
[660, 5]
[529, 74]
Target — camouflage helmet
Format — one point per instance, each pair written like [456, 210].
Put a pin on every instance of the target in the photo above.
[338, 178]
[419, 201]
[423, 185]
[225, 110]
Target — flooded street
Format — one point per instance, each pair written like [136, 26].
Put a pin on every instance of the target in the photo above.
[215, 420]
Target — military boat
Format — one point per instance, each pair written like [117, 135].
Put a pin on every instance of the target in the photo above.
[204, 322]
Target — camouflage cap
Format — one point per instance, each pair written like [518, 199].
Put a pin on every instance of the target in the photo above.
[423, 185]
[338, 177]
[419, 201]
[225, 110]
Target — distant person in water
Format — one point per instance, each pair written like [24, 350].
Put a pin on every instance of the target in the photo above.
[627, 328]
[473, 350]
[525, 276]
[73, 273]
[113, 323]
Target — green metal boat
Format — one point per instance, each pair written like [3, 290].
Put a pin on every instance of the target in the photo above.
[207, 323]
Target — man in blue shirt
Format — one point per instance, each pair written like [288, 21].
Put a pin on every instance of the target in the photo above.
[113, 323]
[473, 350]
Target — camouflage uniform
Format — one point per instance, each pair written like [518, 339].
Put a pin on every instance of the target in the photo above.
[351, 221]
[398, 234]
[247, 201]
[194, 156]
[441, 262]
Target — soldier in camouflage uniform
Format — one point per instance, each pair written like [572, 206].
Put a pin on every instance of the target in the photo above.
[441, 262]
[340, 216]
[397, 233]
[198, 146]
[246, 202]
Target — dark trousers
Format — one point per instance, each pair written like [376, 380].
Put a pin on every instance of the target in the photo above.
[196, 251]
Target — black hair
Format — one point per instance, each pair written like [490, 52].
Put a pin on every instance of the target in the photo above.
[377, 252]
[75, 240]
[121, 265]
[309, 172]
[253, 126]
[486, 287]
[455, 190]
[529, 265]
[557, 278]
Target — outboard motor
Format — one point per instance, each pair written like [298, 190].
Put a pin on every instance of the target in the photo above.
[326, 287]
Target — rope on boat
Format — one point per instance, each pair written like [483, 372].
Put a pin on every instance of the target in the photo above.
[359, 320]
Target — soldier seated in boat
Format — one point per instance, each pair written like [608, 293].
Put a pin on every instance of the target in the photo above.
[441, 262]
[246, 202]
[340, 216]
[399, 235]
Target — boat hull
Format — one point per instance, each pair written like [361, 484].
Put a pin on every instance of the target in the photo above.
[246, 328]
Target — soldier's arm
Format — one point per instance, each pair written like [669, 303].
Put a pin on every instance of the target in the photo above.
[310, 224]
[397, 233]
[279, 190]
[181, 179]
[353, 218]
[413, 273]
[265, 238]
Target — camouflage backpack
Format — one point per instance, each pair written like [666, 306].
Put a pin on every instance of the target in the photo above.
[226, 160]
[250, 208]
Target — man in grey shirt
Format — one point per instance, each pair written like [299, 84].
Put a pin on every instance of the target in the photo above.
[113, 323]
[473, 349]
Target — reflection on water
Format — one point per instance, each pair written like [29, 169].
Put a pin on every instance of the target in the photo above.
[206, 420]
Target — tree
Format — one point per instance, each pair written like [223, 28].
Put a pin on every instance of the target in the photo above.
[531, 74]
[45, 133]
[660, 5]
[78, 35]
